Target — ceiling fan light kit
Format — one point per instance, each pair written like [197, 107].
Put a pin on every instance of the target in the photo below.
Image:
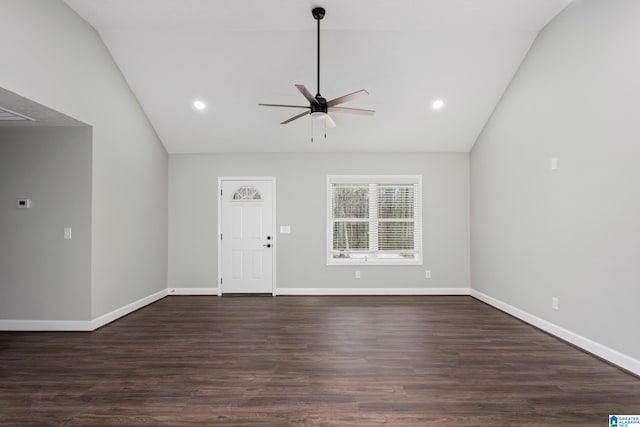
[319, 107]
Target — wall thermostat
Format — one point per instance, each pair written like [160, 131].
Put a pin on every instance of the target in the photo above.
[24, 203]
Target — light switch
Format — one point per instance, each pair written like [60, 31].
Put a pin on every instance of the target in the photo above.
[23, 203]
[285, 229]
[67, 233]
[554, 163]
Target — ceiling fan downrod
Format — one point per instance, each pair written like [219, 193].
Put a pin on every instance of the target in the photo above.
[318, 14]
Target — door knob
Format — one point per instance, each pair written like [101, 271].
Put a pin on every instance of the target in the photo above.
[268, 245]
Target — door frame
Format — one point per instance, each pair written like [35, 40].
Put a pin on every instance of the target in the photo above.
[274, 246]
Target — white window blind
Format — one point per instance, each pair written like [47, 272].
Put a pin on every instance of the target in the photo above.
[374, 219]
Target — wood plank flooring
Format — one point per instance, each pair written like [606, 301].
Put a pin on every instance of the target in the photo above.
[308, 361]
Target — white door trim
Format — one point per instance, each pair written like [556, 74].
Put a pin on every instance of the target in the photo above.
[275, 239]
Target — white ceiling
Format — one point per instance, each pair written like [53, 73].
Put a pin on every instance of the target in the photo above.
[236, 54]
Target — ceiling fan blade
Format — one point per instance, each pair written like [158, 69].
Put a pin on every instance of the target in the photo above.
[329, 122]
[295, 117]
[303, 90]
[349, 97]
[352, 111]
[283, 105]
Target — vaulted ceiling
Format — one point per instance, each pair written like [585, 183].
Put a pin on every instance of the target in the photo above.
[233, 55]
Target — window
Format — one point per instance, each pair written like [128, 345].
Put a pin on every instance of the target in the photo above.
[374, 220]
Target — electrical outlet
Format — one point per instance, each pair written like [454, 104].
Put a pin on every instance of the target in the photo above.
[555, 303]
[427, 274]
[357, 274]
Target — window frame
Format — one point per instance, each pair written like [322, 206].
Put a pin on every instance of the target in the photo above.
[370, 257]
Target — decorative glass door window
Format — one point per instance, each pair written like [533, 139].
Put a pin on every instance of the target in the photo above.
[247, 193]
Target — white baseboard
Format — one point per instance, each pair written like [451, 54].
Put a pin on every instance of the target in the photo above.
[79, 325]
[98, 322]
[45, 325]
[372, 291]
[609, 354]
[193, 291]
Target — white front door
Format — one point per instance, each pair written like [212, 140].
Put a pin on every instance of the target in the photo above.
[247, 237]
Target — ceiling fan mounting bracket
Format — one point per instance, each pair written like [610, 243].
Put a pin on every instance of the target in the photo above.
[318, 13]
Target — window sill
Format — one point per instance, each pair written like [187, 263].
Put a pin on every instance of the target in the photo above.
[383, 262]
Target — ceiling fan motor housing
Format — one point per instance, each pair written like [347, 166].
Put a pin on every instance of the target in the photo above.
[320, 107]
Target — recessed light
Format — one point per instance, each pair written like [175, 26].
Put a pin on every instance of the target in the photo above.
[437, 104]
[199, 105]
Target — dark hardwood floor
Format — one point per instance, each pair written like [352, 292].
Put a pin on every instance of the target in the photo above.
[308, 361]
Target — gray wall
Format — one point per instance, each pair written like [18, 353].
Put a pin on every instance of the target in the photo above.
[43, 276]
[53, 57]
[301, 203]
[572, 233]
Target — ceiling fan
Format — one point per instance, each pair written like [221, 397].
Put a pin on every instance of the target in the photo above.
[319, 107]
